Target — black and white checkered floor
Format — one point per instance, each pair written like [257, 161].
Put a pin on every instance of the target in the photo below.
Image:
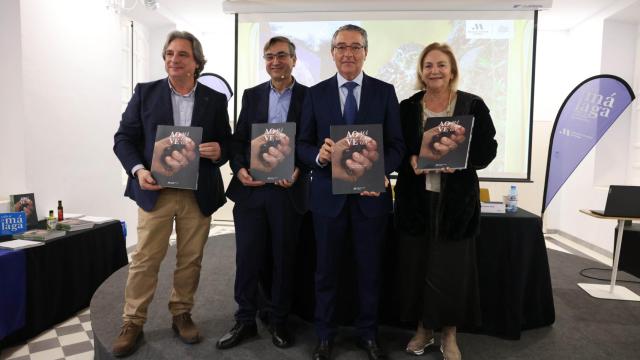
[73, 339]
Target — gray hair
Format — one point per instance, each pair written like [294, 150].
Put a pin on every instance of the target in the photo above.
[350, 27]
[198, 54]
[277, 39]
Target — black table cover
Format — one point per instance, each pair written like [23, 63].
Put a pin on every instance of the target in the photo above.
[63, 274]
[513, 271]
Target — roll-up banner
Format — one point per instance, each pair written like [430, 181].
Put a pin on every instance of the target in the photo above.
[586, 114]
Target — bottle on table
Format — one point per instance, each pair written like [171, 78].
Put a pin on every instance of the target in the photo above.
[512, 202]
[60, 211]
[52, 222]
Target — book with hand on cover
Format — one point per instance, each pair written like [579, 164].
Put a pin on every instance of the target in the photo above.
[26, 203]
[176, 158]
[40, 235]
[357, 159]
[272, 151]
[445, 142]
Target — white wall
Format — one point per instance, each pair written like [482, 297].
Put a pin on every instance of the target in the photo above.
[634, 147]
[596, 46]
[15, 141]
[71, 74]
[564, 59]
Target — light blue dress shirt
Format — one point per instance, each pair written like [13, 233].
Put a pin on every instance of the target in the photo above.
[279, 103]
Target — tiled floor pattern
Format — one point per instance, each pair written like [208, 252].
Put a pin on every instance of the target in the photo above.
[73, 339]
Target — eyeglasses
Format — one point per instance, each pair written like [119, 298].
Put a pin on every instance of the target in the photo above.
[342, 49]
[281, 56]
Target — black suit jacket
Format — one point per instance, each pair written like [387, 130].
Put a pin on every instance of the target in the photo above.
[151, 106]
[255, 109]
[378, 105]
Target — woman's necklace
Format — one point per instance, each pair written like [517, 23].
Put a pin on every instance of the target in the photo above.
[448, 108]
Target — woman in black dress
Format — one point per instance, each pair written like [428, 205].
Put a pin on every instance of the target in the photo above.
[437, 213]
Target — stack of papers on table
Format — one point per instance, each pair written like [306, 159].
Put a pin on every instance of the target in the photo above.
[97, 219]
[492, 207]
[19, 244]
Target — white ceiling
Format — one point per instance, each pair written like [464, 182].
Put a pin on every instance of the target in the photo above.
[563, 15]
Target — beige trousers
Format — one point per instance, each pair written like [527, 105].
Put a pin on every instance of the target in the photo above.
[154, 229]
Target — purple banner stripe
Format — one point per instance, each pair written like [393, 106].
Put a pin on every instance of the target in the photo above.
[587, 113]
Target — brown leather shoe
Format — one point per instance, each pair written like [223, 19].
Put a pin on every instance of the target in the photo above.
[127, 341]
[185, 328]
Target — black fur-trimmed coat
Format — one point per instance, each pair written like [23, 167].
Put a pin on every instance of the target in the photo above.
[459, 205]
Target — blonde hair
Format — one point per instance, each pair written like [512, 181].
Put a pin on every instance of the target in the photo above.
[446, 49]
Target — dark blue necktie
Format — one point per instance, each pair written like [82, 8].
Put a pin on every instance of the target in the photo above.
[350, 105]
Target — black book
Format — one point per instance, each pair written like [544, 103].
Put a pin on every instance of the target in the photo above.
[357, 160]
[176, 158]
[435, 155]
[272, 151]
[26, 203]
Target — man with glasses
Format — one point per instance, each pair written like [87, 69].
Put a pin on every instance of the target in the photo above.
[267, 216]
[349, 97]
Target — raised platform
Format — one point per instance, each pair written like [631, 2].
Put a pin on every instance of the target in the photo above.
[583, 324]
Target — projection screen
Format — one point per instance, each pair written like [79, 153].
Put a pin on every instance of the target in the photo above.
[495, 52]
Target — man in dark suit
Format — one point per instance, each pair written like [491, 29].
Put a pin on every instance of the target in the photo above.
[176, 100]
[267, 216]
[349, 97]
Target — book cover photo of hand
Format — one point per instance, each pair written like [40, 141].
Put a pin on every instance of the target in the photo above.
[445, 143]
[357, 161]
[176, 159]
[272, 151]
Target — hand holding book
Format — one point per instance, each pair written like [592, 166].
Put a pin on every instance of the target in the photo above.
[246, 179]
[419, 171]
[210, 150]
[287, 183]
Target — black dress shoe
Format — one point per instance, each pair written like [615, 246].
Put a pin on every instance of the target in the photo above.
[374, 352]
[235, 336]
[322, 350]
[281, 336]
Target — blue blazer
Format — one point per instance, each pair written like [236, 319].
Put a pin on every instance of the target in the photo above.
[151, 106]
[255, 109]
[321, 109]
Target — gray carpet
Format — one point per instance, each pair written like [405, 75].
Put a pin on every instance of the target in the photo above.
[585, 328]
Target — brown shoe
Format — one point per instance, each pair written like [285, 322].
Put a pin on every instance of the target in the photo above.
[127, 341]
[185, 328]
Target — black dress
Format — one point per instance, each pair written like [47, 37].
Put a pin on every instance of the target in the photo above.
[436, 275]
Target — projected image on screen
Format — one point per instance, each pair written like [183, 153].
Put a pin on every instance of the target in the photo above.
[494, 58]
